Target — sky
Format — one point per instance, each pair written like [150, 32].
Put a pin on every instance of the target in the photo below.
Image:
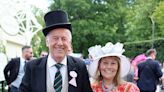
[42, 4]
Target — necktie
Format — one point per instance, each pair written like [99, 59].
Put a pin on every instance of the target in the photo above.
[58, 79]
[25, 62]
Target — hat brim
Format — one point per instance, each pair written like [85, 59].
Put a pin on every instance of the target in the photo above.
[125, 65]
[50, 28]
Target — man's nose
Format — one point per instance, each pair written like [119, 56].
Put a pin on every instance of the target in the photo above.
[60, 42]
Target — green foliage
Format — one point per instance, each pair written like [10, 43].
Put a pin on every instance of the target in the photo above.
[38, 44]
[159, 18]
[138, 23]
[136, 48]
[2, 47]
[38, 41]
[100, 21]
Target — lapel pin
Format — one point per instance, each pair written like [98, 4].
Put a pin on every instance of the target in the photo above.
[73, 74]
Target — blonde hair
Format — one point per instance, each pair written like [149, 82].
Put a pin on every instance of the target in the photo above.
[117, 78]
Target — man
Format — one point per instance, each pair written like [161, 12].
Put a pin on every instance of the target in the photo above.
[57, 72]
[149, 73]
[15, 69]
[43, 54]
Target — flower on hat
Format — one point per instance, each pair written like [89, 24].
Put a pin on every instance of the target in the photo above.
[98, 51]
[95, 51]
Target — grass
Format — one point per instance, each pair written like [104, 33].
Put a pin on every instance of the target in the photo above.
[1, 87]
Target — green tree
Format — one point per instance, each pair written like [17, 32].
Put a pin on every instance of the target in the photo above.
[38, 41]
[159, 18]
[99, 21]
[94, 22]
[138, 22]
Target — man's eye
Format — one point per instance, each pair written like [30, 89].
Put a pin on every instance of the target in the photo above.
[64, 39]
[54, 38]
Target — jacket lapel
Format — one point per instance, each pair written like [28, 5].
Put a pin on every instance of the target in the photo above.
[71, 67]
[41, 75]
[17, 61]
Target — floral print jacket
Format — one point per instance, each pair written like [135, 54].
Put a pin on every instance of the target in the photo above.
[125, 87]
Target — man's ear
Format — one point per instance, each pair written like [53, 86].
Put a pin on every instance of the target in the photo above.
[47, 41]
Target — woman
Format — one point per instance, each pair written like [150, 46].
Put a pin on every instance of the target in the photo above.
[108, 67]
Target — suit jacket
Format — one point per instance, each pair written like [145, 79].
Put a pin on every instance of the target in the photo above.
[11, 70]
[35, 76]
[149, 73]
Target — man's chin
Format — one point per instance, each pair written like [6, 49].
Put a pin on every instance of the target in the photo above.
[60, 55]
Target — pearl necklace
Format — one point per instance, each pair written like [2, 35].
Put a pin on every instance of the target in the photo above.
[111, 87]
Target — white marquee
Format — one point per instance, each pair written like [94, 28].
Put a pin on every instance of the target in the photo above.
[17, 25]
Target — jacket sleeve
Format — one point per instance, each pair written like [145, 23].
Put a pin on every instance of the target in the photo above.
[7, 71]
[158, 71]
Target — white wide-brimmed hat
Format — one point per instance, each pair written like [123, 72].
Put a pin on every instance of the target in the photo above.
[97, 52]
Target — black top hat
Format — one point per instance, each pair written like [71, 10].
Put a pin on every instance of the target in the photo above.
[56, 19]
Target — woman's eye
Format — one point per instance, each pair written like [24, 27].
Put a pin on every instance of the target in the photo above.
[105, 63]
[113, 63]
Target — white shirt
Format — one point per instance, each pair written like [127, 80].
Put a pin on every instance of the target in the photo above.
[18, 80]
[149, 57]
[52, 68]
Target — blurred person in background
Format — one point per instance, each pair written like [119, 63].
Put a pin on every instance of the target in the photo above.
[43, 53]
[15, 69]
[149, 73]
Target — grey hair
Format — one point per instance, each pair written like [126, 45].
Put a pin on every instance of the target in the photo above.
[69, 34]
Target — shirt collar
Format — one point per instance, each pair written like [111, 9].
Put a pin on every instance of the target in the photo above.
[22, 59]
[51, 62]
[149, 57]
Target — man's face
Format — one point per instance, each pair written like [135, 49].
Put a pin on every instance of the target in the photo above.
[153, 56]
[27, 53]
[43, 54]
[58, 41]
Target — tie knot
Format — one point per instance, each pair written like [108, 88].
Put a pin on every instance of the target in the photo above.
[58, 66]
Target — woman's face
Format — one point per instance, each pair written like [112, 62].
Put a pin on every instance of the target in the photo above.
[108, 67]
